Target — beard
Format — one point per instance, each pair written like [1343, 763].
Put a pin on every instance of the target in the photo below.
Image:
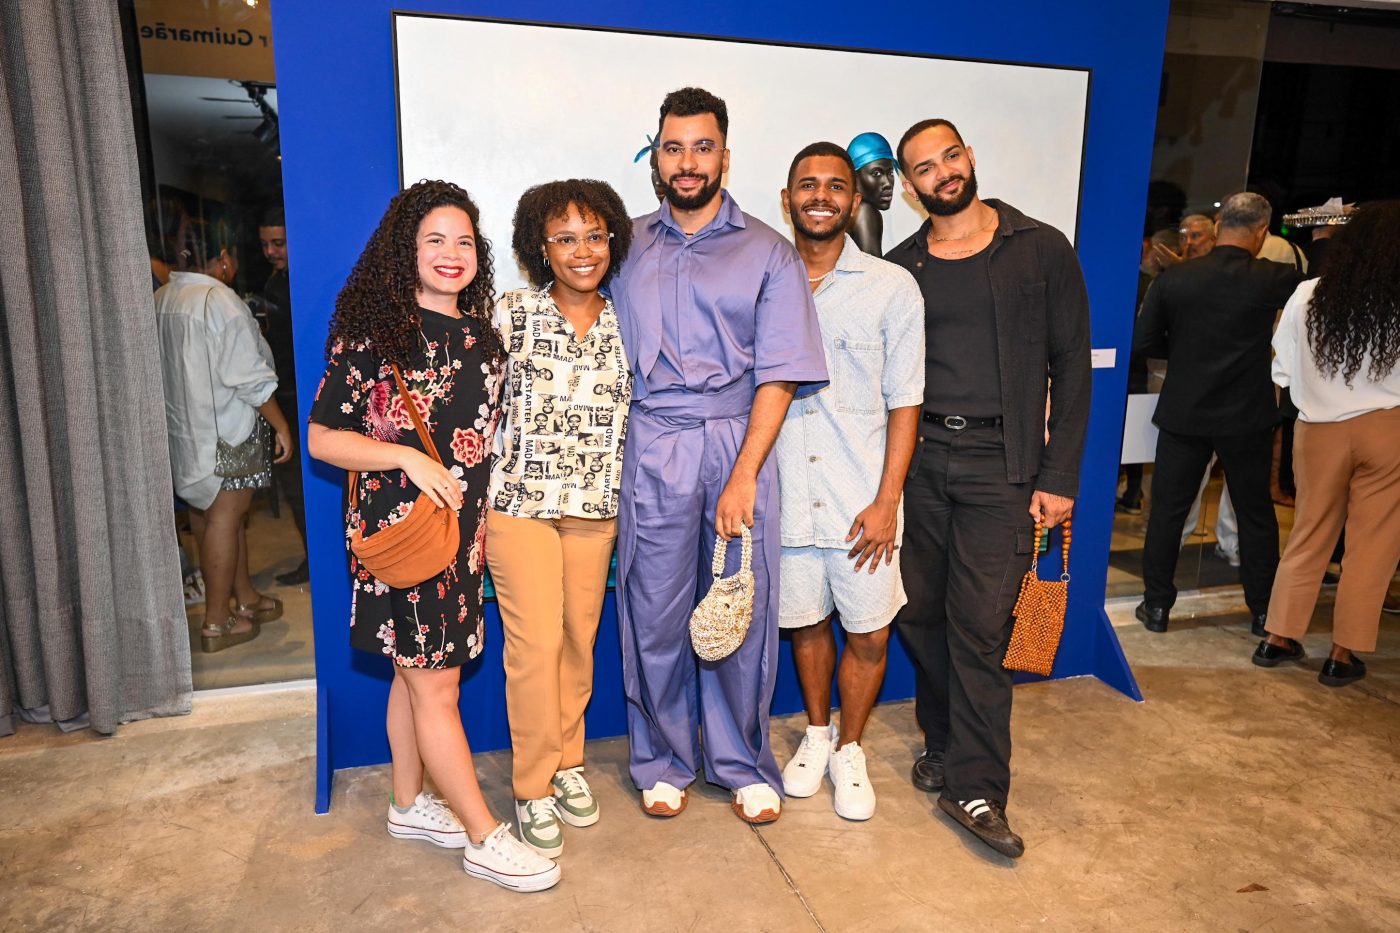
[799, 223]
[943, 207]
[692, 202]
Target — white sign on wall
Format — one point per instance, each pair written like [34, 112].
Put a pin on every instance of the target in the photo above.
[497, 107]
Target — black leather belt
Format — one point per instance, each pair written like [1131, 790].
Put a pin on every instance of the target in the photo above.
[959, 422]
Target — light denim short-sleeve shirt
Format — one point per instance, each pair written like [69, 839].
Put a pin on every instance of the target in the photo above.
[831, 451]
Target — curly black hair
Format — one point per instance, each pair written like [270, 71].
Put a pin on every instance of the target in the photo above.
[378, 307]
[542, 203]
[1356, 307]
[692, 102]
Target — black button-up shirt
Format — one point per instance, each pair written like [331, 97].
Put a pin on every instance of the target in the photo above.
[1042, 337]
[1211, 319]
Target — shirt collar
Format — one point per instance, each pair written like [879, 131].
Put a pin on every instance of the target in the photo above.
[851, 258]
[729, 215]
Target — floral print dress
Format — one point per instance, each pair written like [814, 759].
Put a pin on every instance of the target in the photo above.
[438, 623]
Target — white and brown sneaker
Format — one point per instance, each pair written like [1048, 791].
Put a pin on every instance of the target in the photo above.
[757, 803]
[664, 799]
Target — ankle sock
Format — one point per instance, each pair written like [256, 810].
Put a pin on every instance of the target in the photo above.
[401, 811]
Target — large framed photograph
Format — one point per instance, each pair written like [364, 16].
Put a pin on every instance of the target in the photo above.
[499, 106]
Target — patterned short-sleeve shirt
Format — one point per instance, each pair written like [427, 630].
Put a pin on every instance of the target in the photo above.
[559, 447]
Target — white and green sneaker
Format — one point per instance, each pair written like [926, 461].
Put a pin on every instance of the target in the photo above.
[539, 826]
[577, 807]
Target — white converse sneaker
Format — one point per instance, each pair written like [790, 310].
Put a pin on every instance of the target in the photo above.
[757, 803]
[509, 862]
[430, 819]
[802, 776]
[855, 798]
[540, 828]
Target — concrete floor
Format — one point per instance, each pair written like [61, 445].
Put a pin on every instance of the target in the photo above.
[1233, 799]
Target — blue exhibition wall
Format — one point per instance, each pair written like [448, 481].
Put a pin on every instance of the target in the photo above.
[335, 75]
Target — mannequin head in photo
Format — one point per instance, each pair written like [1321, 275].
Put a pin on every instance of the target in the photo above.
[875, 168]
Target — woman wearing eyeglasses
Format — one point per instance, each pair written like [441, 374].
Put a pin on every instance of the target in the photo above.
[553, 495]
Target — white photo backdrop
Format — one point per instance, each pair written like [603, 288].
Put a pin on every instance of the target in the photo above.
[497, 107]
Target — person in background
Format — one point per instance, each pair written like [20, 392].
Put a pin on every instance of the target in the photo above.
[277, 299]
[1211, 319]
[419, 298]
[225, 426]
[553, 497]
[842, 458]
[1336, 350]
[1149, 267]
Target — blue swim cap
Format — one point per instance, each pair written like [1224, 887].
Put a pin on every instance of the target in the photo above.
[870, 147]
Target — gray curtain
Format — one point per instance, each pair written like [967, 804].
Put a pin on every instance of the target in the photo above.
[92, 621]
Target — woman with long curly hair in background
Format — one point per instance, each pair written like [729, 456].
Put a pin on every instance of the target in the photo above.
[420, 298]
[1337, 347]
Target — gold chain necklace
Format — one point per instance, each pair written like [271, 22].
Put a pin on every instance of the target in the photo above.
[984, 229]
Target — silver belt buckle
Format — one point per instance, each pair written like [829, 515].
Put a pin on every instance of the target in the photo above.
[954, 422]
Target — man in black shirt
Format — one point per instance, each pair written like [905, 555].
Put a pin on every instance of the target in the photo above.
[1212, 319]
[277, 297]
[1005, 309]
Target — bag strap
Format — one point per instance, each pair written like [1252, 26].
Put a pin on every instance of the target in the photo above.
[353, 476]
[1064, 549]
[722, 550]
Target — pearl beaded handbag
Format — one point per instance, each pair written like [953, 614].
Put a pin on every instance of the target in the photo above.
[718, 625]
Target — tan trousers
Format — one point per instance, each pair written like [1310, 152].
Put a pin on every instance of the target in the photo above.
[550, 577]
[1348, 472]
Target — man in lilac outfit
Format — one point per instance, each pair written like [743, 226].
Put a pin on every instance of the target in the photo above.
[721, 333]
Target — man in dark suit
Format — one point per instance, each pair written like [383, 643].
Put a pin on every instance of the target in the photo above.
[1212, 319]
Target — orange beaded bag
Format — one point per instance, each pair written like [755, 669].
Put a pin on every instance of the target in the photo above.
[1040, 614]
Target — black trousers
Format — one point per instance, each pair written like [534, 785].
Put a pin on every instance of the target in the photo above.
[968, 536]
[1181, 459]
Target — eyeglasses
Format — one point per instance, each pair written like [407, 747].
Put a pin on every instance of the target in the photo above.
[595, 241]
[701, 150]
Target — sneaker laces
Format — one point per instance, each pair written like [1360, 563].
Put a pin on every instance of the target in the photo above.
[808, 755]
[850, 759]
[573, 784]
[436, 808]
[504, 844]
[542, 808]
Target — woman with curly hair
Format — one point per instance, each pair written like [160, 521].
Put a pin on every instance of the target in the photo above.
[553, 515]
[1337, 347]
[419, 298]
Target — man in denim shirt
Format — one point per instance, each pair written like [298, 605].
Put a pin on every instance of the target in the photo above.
[1005, 311]
[842, 456]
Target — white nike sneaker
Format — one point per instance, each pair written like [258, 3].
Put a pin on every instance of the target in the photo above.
[802, 776]
[855, 798]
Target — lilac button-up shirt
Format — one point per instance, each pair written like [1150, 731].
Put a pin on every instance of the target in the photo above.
[730, 302]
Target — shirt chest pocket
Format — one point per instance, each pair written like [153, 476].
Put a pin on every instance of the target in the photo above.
[856, 369]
